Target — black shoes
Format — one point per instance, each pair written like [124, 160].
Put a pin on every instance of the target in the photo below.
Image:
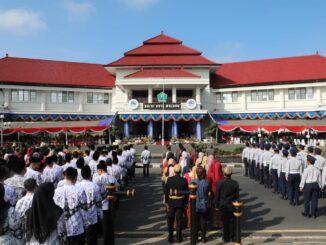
[304, 214]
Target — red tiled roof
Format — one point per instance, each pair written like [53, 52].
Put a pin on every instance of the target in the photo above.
[145, 73]
[162, 50]
[154, 49]
[49, 72]
[280, 70]
[162, 39]
[161, 60]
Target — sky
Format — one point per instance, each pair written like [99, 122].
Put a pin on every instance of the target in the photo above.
[100, 31]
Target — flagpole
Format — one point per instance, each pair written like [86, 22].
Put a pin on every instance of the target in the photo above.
[163, 115]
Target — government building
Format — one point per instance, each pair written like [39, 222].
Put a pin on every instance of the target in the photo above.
[164, 89]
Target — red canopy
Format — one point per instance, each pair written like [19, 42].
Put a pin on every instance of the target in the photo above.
[55, 130]
[269, 128]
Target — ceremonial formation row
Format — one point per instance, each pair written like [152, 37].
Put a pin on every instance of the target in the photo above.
[289, 170]
[49, 195]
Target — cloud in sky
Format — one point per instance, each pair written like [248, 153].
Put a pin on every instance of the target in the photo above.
[78, 11]
[21, 21]
[139, 4]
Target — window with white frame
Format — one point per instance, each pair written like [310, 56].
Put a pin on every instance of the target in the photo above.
[301, 93]
[262, 95]
[23, 95]
[62, 97]
[97, 98]
[227, 97]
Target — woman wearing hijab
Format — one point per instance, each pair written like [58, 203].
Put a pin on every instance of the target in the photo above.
[45, 223]
[6, 237]
[214, 175]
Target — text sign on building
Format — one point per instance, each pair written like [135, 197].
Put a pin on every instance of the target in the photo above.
[162, 97]
[159, 106]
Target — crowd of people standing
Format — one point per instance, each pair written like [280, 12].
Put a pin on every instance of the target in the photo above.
[215, 192]
[50, 195]
[288, 169]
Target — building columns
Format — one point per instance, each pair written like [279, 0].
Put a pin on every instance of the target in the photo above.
[282, 95]
[198, 100]
[175, 129]
[81, 101]
[126, 129]
[43, 100]
[150, 128]
[174, 95]
[198, 130]
[150, 95]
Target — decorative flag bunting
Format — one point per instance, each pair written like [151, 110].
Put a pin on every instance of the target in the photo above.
[158, 117]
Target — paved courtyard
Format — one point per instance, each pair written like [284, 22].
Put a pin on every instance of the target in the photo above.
[267, 218]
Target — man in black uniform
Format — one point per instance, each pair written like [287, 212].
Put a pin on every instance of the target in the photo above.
[227, 191]
[175, 204]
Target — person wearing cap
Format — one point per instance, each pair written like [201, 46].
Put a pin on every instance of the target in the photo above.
[72, 200]
[292, 174]
[281, 174]
[310, 184]
[320, 161]
[267, 156]
[175, 203]
[273, 168]
[245, 158]
[227, 191]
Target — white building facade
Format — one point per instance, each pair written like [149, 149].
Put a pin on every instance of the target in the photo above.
[164, 80]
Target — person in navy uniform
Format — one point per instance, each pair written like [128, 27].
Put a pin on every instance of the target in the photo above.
[227, 191]
[175, 204]
[310, 185]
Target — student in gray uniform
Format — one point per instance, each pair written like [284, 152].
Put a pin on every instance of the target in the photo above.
[292, 173]
[281, 174]
[310, 184]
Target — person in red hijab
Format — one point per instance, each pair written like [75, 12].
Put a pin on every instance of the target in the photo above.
[214, 175]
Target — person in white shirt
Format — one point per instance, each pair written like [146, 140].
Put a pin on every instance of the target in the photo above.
[292, 175]
[93, 163]
[250, 157]
[320, 161]
[273, 168]
[103, 155]
[133, 160]
[310, 184]
[302, 156]
[102, 179]
[94, 203]
[33, 170]
[73, 161]
[245, 158]
[92, 151]
[67, 161]
[123, 164]
[72, 200]
[281, 174]
[323, 183]
[260, 170]
[25, 202]
[267, 156]
[50, 173]
[80, 164]
[87, 158]
[146, 158]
